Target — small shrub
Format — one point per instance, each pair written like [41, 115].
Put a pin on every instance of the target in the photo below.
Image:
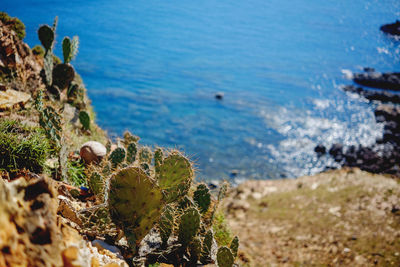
[15, 24]
[22, 147]
[222, 235]
[38, 50]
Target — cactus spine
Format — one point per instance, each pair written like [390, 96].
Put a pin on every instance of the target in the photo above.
[225, 257]
[135, 203]
[189, 225]
[202, 197]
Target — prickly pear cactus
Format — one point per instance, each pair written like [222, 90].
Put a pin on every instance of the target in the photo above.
[117, 156]
[185, 203]
[63, 75]
[195, 250]
[158, 159]
[166, 224]
[84, 118]
[202, 197]
[234, 246]
[108, 146]
[135, 203]
[131, 150]
[70, 48]
[96, 183]
[206, 249]
[225, 257]
[189, 225]
[130, 138]
[145, 155]
[46, 36]
[175, 176]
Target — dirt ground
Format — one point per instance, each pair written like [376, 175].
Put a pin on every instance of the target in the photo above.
[338, 218]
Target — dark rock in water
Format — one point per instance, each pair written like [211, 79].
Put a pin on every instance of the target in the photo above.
[320, 150]
[390, 80]
[384, 97]
[336, 152]
[392, 29]
[219, 96]
[368, 69]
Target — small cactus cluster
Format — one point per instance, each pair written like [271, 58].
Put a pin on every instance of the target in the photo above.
[144, 188]
[60, 76]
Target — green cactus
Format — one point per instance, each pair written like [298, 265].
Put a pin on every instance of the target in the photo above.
[202, 197]
[84, 120]
[117, 156]
[186, 202]
[234, 246]
[70, 48]
[72, 92]
[63, 75]
[175, 176]
[50, 121]
[135, 203]
[189, 225]
[206, 249]
[106, 171]
[195, 250]
[158, 159]
[166, 224]
[129, 138]
[145, 155]
[131, 152]
[96, 183]
[225, 257]
[46, 37]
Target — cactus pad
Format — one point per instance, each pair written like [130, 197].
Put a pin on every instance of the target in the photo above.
[190, 224]
[145, 155]
[129, 138]
[117, 156]
[158, 159]
[135, 203]
[131, 152]
[166, 224]
[206, 250]
[235, 246]
[195, 250]
[96, 183]
[225, 257]
[46, 37]
[63, 75]
[70, 48]
[84, 120]
[202, 197]
[175, 176]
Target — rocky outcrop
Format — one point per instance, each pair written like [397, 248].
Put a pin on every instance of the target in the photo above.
[32, 234]
[381, 96]
[392, 28]
[390, 80]
[18, 62]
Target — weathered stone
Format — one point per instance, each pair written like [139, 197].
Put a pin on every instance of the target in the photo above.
[11, 99]
[92, 151]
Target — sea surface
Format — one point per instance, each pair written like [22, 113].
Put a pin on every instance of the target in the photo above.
[153, 67]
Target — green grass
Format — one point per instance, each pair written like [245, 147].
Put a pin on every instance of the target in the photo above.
[76, 173]
[22, 147]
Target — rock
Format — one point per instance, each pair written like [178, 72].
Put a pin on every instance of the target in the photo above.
[384, 97]
[390, 80]
[219, 95]
[11, 99]
[320, 150]
[92, 151]
[337, 152]
[392, 29]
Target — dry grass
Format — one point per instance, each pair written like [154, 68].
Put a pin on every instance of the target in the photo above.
[337, 218]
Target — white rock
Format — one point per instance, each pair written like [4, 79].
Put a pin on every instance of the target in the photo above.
[92, 151]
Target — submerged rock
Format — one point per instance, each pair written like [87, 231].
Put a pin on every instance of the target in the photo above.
[389, 80]
[383, 96]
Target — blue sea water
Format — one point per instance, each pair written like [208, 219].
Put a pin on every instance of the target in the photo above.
[153, 67]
